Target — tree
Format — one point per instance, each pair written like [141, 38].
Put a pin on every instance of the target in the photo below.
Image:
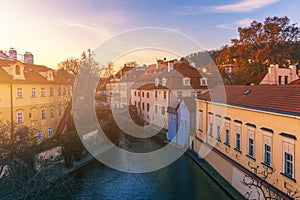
[259, 45]
[71, 65]
[259, 181]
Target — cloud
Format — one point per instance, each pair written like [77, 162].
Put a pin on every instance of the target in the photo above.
[242, 6]
[84, 26]
[233, 26]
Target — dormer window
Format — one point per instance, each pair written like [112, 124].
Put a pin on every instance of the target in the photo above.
[203, 81]
[164, 82]
[186, 82]
[18, 70]
[156, 82]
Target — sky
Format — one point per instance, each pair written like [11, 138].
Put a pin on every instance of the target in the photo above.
[58, 29]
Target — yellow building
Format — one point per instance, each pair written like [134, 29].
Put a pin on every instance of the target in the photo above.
[33, 95]
[250, 135]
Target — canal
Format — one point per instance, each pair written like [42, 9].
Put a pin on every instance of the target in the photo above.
[183, 179]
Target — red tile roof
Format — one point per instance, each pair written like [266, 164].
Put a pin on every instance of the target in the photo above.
[281, 99]
[32, 74]
[296, 82]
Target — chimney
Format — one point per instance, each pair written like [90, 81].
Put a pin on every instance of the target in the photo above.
[28, 57]
[170, 65]
[12, 54]
[192, 64]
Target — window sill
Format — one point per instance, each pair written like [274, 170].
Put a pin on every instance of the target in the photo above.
[218, 139]
[227, 144]
[266, 165]
[288, 176]
[33, 96]
[238, 150]
[251, 157]
[200, 130]
[19, 97]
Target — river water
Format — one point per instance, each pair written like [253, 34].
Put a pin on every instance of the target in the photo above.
[183, 179]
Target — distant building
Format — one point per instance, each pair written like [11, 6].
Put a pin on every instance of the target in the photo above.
[163, 85]
[182, 122]
[275, 75]
[252, 129]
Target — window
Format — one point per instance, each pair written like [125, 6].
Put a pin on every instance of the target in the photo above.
[19, 93]
[33, 94]
[279, 80]
[139, 104]
[192, 94]
[186, 82]
[198, 93]
[267, 148]
[286, 80]
[251, 132]
[218, 123]
[156, 82]
[147, 94]
[203, 81]
[43, 92]
[43, 113]
[227, 133]
[51, 112]
[142, 94]
[40, 134]
[179, 95]
[19, 117]
[135, 93]
[200, 125]
[210, 125]
[165, 95]
[163, 110]
[164, 82]
[156, 109]
[267, 154]
[148, 107]
[135, 103]
[155, 95]
[49, 132]
[238, 137]
[143, 106]
[288, 158]
[139, 94]
[51, 91]
[18, 70]
[288, 164]
[251, 147]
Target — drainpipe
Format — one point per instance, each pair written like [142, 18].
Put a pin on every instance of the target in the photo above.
[206, 116]
[11, 110]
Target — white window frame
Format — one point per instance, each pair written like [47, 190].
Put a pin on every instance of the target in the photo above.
[20, 117]
[288, 149]
[33, 92]
[19, 93]
[210, 125]
[227, 132]
[267, 141]
[40, 134]
[186, 81]
[51, 91]
[43, 92]
[251, 141]
[238, 135]
[50, 132]
[218, 128]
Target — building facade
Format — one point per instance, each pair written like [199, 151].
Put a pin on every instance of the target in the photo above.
[252, 136]
[33, 95]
